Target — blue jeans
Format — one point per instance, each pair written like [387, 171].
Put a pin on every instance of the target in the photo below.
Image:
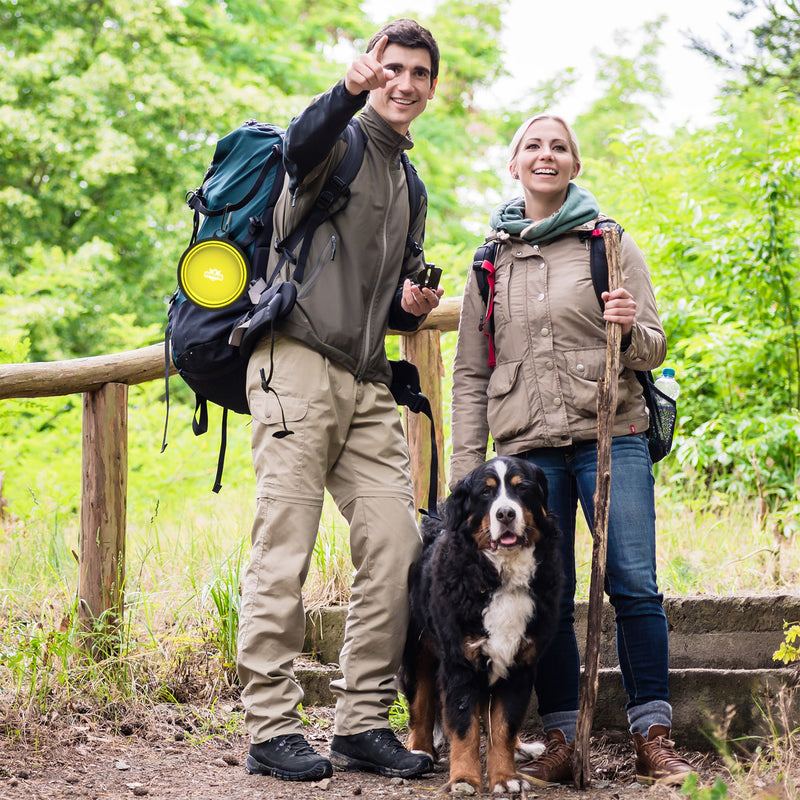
[642, 644]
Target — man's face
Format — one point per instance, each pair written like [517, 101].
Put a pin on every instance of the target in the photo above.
[406, 95]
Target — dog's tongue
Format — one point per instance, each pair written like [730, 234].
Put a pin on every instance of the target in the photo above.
[508, 539]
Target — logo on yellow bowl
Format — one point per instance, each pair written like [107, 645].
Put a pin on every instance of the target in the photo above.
[213, 273]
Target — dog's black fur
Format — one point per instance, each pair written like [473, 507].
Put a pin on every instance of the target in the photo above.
[484, 601]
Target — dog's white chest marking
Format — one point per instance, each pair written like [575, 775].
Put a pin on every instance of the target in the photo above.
[511, 608]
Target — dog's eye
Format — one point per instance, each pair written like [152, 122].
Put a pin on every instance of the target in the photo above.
[487, 491]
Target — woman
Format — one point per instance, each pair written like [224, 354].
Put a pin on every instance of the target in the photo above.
[540, 402]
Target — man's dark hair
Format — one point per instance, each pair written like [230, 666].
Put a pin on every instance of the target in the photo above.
[409, 33]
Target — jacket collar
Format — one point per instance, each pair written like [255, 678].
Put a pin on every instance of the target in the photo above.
[387, 139]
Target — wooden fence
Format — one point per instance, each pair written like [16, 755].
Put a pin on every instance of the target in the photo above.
[103, 381]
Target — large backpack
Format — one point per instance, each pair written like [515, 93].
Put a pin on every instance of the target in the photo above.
[210, 347]
[661, 407]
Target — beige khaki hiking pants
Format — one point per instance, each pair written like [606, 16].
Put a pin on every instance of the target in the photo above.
[347, 437]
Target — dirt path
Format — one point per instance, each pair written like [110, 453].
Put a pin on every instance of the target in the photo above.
[177, 753]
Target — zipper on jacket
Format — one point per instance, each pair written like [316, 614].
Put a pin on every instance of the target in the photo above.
[363, 360]
[333, 246]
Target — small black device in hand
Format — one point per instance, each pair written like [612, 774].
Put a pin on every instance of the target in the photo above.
[428, 277]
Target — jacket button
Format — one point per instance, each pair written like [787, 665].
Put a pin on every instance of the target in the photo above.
[580, 367]
[540, 297]
[545, 331]
[557, 401]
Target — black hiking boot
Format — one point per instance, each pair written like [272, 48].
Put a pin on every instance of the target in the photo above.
[289, 758]
[380, 751]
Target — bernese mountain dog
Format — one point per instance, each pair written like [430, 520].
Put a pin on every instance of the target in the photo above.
[484, 601]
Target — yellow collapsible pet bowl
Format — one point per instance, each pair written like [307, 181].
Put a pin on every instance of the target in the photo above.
[213, 273]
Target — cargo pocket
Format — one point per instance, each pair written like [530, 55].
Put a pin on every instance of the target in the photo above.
[278, 456]
[509, 410]
[585, 368]
[272, 409]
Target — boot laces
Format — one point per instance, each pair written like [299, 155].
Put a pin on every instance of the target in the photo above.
[555, 753]
[297, 745]
[662, 751]
[387, 741]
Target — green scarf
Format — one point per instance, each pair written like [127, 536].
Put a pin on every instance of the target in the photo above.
[579, 207]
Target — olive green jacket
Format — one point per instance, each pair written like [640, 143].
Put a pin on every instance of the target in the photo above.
[358, 259]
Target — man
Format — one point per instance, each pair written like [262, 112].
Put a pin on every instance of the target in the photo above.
[331, 380]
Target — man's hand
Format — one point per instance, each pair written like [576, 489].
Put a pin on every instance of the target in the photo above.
[418, 301]
[366, 72]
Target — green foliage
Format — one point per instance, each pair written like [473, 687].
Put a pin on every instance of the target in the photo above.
[110, 113]
[40, 655]
[692, 788]
[398, 714]
[628, 82]
[453, 132]
[770, 51]
[223, 593]
[718, 225]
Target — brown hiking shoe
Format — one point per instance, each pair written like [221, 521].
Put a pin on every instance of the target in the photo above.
[554, 765]
[656, 759]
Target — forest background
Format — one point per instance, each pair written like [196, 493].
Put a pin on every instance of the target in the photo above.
[110, 112]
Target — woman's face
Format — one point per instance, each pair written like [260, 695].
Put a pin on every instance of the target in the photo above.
[545, 163]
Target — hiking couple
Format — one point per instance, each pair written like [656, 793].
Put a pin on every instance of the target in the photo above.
[332, 375]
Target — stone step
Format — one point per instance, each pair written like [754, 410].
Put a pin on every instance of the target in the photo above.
[705, 632]
[721, 668]
[709, 705]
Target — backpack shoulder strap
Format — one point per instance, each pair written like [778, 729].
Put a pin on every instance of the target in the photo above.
[481, 262]
[483, 265]
[416, 191]
[336, 188]
[598, 260]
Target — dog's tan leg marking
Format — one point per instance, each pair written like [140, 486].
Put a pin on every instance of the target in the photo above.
[500, 742]
[422, 712]
[465, 758]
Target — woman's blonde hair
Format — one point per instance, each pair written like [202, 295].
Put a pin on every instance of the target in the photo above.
[522, 130]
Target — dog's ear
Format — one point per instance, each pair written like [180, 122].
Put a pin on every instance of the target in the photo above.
[539, 480]
[457, 507]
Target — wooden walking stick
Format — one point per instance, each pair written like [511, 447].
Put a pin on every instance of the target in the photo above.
[607, 391]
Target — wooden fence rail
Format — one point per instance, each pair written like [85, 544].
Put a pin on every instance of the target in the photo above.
[103, 381]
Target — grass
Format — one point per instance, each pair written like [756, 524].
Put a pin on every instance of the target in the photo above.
[184, 574]
[184, 566]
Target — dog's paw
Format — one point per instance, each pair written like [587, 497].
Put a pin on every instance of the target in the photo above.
[527, 751]
[461, 788]
[516, 785]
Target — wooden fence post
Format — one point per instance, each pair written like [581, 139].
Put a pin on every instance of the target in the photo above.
[423, 349]
[104, 483]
